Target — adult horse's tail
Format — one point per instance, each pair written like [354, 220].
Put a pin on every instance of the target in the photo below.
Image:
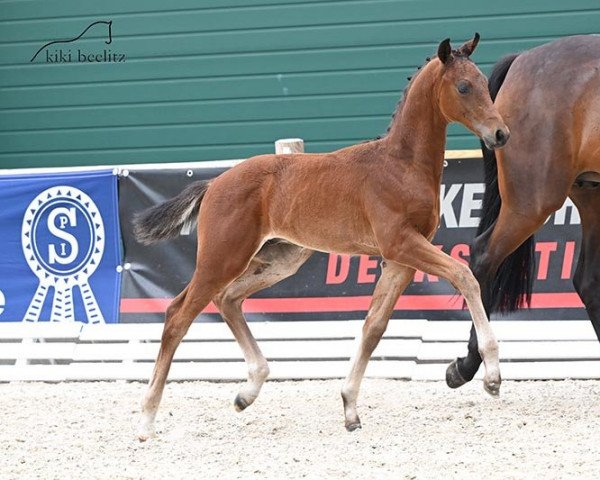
[511, 288]
[166, 220]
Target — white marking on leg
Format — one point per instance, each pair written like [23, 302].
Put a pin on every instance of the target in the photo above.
[146, 429]
[351, 385]
[257, 374]
[486, 340]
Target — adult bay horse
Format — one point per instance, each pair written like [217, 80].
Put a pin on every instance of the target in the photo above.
[550, 97]
[376, 198]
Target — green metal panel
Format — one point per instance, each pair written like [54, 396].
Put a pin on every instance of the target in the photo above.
[213, 79]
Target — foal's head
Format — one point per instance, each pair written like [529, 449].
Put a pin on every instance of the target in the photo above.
[463, 94]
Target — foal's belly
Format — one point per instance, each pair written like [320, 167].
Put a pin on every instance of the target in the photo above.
[342, 246]
[327, 234]
[346, 229]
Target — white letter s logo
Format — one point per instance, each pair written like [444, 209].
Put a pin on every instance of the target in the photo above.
[69, 218]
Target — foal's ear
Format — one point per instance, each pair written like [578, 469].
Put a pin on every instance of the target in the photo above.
[444, 51]
[469, 47]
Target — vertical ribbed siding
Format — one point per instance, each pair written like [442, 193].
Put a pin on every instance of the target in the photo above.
[224, 78]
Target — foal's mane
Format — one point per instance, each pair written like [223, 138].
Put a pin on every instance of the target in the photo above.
[400, 103]
[405, 92]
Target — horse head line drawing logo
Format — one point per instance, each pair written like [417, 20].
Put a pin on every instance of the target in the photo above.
[109, 23]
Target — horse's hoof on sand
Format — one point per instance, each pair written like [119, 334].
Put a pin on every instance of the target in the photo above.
[453, 377]
[144, 436]
[493, 388]
[353, 426]
[240, 404]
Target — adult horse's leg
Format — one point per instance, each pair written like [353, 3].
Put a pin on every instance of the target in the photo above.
[420, 254]
[516, 204]
[275, 261]
[587, 274]
[394, 279]
[226, 244]
[488, 252]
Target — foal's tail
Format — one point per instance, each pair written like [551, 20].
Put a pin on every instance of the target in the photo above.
[511, 288]
[166, 220]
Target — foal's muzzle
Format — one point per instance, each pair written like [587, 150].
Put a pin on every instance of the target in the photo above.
[496, 139]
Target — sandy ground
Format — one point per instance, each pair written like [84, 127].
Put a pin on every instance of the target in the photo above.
[411, 430]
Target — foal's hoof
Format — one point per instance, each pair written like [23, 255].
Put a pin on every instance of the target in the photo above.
[145, 430]
[453, 377]
[351, 426]
[492, 387]
[240, 403]
[145, 435]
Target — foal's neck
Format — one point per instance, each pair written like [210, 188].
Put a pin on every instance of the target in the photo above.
[418, 132]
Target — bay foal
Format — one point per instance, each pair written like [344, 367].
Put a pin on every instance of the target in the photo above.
[376, 198]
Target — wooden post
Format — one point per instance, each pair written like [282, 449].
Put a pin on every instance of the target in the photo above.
[289, 145]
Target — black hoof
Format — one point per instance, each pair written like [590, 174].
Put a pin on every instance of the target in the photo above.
[353, 426]
[453, 377]
[240, 404]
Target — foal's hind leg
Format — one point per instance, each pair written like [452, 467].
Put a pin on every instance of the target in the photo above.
[215, 269]
[177, 319]
[394, 279]
[275, 261]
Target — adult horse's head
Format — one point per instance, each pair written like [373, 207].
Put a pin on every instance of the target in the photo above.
[464, 97]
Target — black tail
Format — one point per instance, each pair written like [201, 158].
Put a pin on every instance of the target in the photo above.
[511, 288]
[166, 220]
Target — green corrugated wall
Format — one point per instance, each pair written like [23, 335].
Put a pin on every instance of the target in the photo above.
[217, 79]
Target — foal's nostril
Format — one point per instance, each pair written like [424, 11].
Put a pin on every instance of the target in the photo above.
[501, 137]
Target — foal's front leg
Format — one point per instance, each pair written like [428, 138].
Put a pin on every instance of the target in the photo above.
[394, 279]
[417, 252]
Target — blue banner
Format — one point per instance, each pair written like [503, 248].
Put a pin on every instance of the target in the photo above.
[60, 248]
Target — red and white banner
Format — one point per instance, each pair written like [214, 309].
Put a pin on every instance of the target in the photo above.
[337, 286]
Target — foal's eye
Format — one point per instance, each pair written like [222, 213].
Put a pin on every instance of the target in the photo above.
[463, 87]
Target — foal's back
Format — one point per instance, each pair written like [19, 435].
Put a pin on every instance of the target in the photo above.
[289, 194]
